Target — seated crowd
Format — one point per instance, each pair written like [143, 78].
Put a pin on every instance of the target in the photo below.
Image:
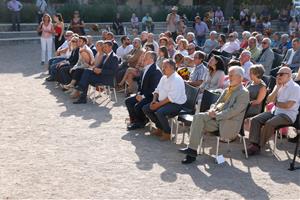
[156, 72]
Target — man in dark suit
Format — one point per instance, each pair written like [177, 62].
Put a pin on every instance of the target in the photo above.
[103, 74]
[149, 80]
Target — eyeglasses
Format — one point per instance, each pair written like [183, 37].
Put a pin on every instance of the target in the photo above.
[281, 74]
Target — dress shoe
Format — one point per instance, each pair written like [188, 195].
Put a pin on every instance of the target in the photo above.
[188, 159]
[293, 140]
[165, 137]
[75, 94]
[50, 79]
[252, 149]
[157, 132]
[135, 126]
[188, 151]
[80, 101]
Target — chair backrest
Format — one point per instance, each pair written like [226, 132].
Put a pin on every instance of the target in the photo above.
[297, 122]
[208, 99]
[277, 60]
[191, 95]
[266, 79]
[272, 83]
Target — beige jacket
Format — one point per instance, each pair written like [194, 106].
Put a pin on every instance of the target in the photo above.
[231, 117]
[134, 57]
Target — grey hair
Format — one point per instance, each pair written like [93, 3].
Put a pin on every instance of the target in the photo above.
[268, 40]
[246, 52]
[247, 34]
[236, 34]
[286, 36]
[213, 33]
[138, 40]
[190, 33]
[152, 55]
[237, 70]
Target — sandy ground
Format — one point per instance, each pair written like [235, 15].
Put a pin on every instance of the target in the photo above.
[52, 149]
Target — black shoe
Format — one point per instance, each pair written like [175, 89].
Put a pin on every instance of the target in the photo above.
[188, 159]
[293, 140]
[188, 151]
[80, 101]
[50, 79]
[135, 126]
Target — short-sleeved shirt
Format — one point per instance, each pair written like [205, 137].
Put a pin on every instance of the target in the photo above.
[246, 67]
[200, 73]
[171, 87]
[289, 92]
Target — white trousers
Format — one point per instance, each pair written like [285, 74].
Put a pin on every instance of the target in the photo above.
[46, 44]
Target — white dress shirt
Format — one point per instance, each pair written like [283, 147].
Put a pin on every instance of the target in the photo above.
[230, 47]
[171, 87]
[121, 51]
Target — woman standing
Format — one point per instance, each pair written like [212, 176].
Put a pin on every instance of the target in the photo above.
[59, 30]
[46, 29]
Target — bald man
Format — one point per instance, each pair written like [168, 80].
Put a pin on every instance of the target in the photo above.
[286, 97]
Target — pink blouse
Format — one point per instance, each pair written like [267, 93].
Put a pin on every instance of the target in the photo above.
[45, 29]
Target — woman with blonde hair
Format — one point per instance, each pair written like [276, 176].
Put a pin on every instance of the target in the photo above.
[46, 30]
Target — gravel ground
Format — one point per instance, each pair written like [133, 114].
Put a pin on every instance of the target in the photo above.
[52, 149]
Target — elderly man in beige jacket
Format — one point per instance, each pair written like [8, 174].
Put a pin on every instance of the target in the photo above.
[226, 116]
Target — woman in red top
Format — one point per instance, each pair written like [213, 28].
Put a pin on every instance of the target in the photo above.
[59, 30]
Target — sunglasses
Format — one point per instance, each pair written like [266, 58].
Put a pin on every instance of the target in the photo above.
[264, 43]
[281, 74]
[73, 41]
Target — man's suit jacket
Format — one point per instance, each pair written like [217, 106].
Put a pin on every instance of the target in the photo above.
[150, 82]
[295, 61]
[231, 117]
[266, 59]
[109, 68]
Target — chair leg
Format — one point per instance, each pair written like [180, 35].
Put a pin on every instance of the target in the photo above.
[228, 146]
[200, 146]
[292, 164]
[176, 130]
[275, 141]
[217, 149]
[245, 147]
[94, 94]
[114, 90]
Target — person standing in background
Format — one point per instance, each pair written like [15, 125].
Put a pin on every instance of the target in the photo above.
[47, 30]
[15, 7]
[41, 6]
[172, 22]
[59, 30]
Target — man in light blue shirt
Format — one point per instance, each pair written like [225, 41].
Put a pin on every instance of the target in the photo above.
[200, 31]
[15, 7]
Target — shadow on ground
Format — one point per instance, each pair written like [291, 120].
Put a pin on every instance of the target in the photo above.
[205, 173]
